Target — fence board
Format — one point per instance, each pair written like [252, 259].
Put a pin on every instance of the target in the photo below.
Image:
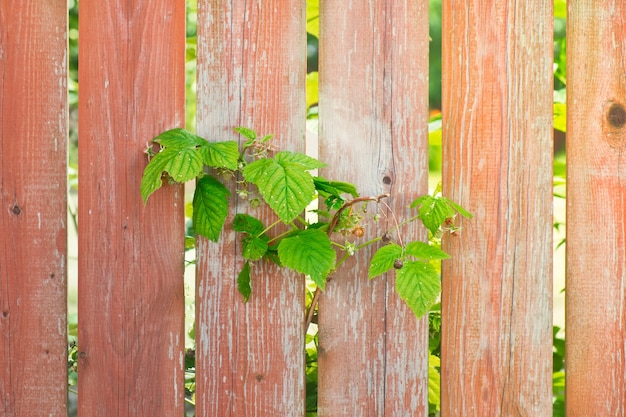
[131, 301]
[596, 202]
[250, 357]
[33, 285]
[497, 109]
[373, 353]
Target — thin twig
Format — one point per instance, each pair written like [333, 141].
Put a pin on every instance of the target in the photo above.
[311, 312]
[395, 220]
[335, 220]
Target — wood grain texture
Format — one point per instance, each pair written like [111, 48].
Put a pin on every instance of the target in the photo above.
[373, 352]
[131, 301]
[497, 163]
[33, 236]
[596, 202]
[250, 357]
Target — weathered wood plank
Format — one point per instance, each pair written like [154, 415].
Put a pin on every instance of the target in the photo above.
[497, 110]
[596, 203]
[250, 357]
[131, 300]
[496, 357]
[373, 354]
[33, 248]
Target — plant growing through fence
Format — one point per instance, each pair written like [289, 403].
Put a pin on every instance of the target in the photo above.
[283, 182]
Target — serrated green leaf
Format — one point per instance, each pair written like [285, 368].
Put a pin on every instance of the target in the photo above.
[418, 284]
[433, 211]
[301, 160]
[434, 381]
[244, 223]
[182, 165]
[334, 203]
[421, 200]
[272, 255]
[458, 208]
[243, 282]
[425, 251]
[151, 179]
[179, 139]
[383, 259]
[254, 248]
[283, 182]
[335, 188]
[245, 132]
[210, 207]
[309, 252]
[221, 154]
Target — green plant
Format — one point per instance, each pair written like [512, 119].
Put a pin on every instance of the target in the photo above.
[283, 182]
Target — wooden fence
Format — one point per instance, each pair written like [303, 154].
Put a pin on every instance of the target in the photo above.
[497, 129]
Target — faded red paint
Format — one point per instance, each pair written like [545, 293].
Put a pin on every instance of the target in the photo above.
[33, 255]
[497, 163]
[373, 132]
[596, 203]
[250, 359]
[131, 300]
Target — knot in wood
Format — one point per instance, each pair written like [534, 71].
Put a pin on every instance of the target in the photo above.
[613, 123]
[616, 115]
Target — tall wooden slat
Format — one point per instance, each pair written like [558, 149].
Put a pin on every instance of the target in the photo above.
[497, 110]
[33, 248]
[596, 203]
[131, 302]
[373, 115]
[251, 69]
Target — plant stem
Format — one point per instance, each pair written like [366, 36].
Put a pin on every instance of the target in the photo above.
[311, 312]
[395, 220]
[335, 220]
[369, 242]
[278, 237]
[268, 228]
[339, 245]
